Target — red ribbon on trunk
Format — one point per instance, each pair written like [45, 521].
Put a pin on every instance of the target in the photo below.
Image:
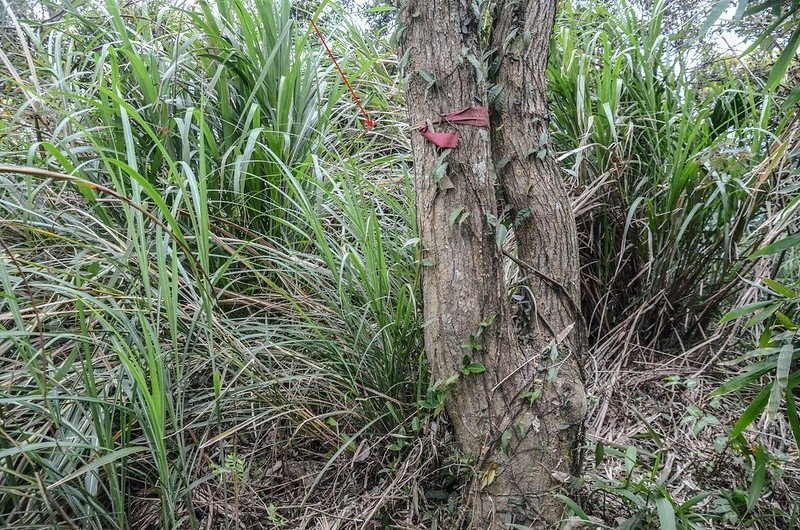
[473, 116]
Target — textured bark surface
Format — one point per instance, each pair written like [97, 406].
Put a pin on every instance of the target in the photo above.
[520, 420]
[528, 173]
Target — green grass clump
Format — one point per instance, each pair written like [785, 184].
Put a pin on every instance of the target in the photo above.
[196, 269]
[665, 172]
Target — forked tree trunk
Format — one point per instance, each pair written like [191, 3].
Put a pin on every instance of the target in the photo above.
[521, 419]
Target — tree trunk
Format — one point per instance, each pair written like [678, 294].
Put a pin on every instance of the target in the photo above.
[520, 420]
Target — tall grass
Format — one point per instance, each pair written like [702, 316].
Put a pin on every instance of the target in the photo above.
[667, 198]
[197, 269]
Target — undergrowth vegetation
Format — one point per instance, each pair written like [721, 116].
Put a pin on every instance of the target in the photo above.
[210, 273]
[669, 171]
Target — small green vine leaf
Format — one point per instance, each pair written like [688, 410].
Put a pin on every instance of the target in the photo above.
[544, 139]
[458, 215]
[522, 431]
[500, 235]
[527, 39]
[476, 9]
[485, 324]
[473, 343]
[541, 148]
[501, 163]
[469, 367]
[436, 395]
[496, 98]
[505, 440]
[428, 77]
[522, 216]
[430, 80]
[532, 396]
[440, 171]
[404, 60]
[480, 70]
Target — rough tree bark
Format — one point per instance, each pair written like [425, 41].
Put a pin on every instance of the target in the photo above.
[521, 419]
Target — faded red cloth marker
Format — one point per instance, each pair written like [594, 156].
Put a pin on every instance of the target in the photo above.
[445, 140]
[474, 116]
